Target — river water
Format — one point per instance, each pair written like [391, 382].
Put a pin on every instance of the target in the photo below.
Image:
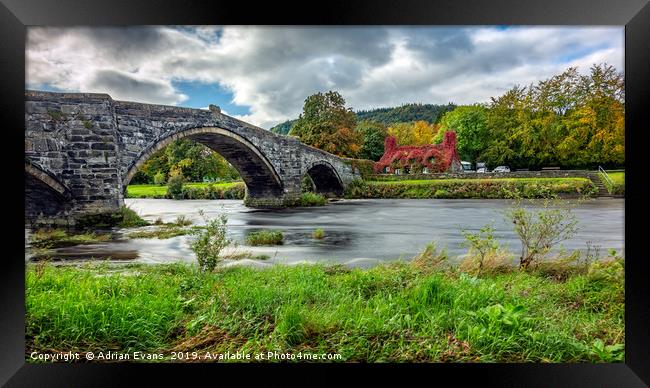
[358, 233]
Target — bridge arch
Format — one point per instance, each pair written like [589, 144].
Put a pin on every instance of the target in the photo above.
[45, 195]
[253, 166]
[326, 179]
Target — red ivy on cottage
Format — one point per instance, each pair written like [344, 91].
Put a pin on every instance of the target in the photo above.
[435, 157]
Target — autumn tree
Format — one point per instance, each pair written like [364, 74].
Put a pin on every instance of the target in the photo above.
[414, 133]
[327, 124]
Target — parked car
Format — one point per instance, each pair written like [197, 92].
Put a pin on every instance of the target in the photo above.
[502, 169]
[467, 166]
[481, 170]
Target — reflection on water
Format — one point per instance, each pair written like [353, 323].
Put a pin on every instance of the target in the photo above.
[357, 232]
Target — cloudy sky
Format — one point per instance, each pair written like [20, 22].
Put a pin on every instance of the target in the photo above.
[263, 74]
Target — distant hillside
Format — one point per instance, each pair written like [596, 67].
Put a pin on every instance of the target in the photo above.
[409, 112]
[283, 128]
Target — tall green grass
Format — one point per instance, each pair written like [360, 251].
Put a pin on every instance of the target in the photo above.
[393, 312]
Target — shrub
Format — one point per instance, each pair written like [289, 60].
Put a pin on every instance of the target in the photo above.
[159, 178]
[540, 230]
[318, 234]
[208, 242]
[312, 199]
[175, 186]
[481, 244]
[265, 237]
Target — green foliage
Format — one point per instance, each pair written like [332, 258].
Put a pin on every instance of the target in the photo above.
[265, 237]
[56, 115]
[318, 234]
[406, 113]
[194, 160]
[312, 199]
[499, 188]
[208, 242]
[481, 244]
[175, 185]
[388, 313]
[540, 230]
[181, 220]
[130, 219]
[283, 128]
[327, 124]
[230, 190]
[159, 179]
[373, 135]
[470, 125]
[56, 238]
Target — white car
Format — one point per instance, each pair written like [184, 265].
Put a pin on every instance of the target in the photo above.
[482, 170]
[502, 169]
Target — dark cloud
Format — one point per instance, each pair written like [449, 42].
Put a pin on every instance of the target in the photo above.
[273, 69]
[119, 84]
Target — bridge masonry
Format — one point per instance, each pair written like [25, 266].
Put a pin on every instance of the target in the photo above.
[81, 151]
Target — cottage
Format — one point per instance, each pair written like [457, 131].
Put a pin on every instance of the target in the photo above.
[429, 158]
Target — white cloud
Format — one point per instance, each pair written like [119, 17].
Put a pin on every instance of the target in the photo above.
[273, 69]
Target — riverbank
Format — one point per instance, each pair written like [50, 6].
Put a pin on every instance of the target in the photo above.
[397, 312]
[492, 188]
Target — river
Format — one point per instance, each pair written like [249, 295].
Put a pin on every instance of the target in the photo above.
[358, 233]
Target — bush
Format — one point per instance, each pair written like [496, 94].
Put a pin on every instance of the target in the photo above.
[208, 242]
[540, 230]
[175, 186]
[265, 237]
[481, 245]
[159, 178]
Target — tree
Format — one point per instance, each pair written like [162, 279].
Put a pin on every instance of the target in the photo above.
[373, 135]
[415, 133]
[470, 125]
[327, 124]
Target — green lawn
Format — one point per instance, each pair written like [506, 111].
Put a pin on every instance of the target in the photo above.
[396, 312]
[155, 191]
[618, 182]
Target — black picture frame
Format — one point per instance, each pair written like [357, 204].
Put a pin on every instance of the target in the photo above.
[15, 15]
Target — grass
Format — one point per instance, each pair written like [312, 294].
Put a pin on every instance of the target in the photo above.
[312, 199]
[618, 182]
[56, 238]
[265, 237]
[130, 219]
[318, 234]
[155, 191]
[471, 188]
[394, 312]
[161, 233]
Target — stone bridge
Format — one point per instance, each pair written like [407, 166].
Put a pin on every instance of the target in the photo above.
[82, 149]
